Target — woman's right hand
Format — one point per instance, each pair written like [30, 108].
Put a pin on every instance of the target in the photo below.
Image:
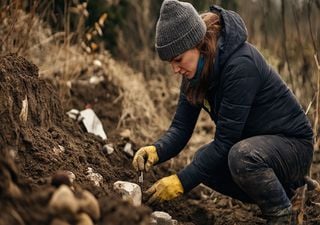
[145, 158]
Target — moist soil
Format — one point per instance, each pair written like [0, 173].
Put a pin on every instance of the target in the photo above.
[38, 139]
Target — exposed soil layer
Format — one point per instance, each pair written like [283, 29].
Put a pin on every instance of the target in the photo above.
[37, 139]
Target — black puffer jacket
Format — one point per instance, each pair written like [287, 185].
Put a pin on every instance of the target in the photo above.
[247, 98]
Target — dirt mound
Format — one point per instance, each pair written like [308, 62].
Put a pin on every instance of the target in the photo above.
[37, 140]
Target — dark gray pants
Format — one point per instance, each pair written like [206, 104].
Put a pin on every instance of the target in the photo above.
[264, 170]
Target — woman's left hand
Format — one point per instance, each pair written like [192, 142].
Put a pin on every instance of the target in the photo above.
[165, 189]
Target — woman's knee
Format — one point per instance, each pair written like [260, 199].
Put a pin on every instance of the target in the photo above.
[244, 157]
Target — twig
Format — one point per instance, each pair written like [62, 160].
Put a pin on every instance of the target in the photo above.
[122, 118]
[312, 184]
[315, 203]
[302, 203]
[310, 104]
[51, 38]
[118, 98]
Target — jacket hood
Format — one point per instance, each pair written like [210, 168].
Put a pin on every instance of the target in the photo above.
[233, 34]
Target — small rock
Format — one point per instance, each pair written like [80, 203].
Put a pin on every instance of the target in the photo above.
[95, 177]
[69, 84]
[108, 149]
[62, 148]
[128, 149]
[84, 219]
[96, 79]
[59, 150]
[162, 218]
[130, 191]
[63, 177]
[73, 114]
[13, 153]
[63, 201]
[97, 63]
[125, 133]
[71, 176]
[89, 204]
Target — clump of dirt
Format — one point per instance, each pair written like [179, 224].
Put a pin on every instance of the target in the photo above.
[37, 140]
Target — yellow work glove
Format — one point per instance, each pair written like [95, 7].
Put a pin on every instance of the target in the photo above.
[145, 158]
[165, 189]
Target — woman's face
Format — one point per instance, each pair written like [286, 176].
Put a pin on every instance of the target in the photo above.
[186, 63]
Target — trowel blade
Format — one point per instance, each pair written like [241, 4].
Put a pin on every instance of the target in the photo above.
[141, 177]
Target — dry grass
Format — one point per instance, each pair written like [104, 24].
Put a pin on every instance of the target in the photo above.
[139, 113]
[59, 59]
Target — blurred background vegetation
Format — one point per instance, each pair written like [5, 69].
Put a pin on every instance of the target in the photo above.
[287, 32]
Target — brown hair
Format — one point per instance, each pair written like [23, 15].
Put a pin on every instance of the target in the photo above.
[207, 47]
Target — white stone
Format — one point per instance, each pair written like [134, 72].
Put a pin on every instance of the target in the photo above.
[71, 176]
[129, 191]
[58, 151]
[97, 63]
[73, 114]
[162, 218]
[96, 178]
[61, 148]
[69, 84]
[96, 79]
[108, 148]
[128, 149]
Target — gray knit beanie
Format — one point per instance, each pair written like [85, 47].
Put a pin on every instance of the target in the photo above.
[179, 29]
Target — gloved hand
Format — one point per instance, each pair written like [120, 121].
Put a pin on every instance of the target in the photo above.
[165, 189]
[145, 158]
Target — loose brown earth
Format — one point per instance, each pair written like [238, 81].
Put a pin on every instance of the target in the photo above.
[29, 156]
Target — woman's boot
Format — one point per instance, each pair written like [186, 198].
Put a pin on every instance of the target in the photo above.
[282, 218]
